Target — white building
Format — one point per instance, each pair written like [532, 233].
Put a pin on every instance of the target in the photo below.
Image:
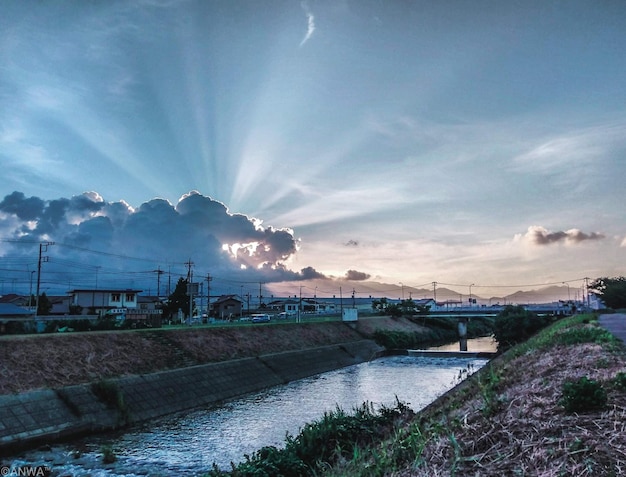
[101, 301]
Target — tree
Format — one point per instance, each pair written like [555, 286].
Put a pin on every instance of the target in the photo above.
[408, 307]
[179, 299]
[612, 291]
[380, 305]
[45, 306]
[515, 324]
[385, 308]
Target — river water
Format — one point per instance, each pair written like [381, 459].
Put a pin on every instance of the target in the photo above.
[189, 443]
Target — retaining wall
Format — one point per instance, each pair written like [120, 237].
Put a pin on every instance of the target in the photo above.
[29, 419]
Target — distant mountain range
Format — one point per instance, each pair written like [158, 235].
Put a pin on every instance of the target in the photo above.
[364, 289]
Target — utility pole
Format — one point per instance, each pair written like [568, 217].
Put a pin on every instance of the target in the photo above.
[159, 272]
[189, 264]
[435, 292]
[341, 302]
[169, 280]
[43, 247]
[300, 306]
[208, 294]
[30, 290]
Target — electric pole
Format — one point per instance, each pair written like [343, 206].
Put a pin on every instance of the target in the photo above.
[159, 272]
[208, 294]
[189, 264]
[43, 247]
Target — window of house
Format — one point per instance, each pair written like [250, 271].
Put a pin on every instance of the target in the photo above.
[116, 296]
[130, 297]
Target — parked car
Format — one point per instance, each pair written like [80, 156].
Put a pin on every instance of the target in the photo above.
[260, 318]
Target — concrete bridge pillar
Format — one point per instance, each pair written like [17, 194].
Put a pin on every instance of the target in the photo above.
[462, 326]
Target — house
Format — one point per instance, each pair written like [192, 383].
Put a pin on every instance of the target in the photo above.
[227, 306]
[100, 301]
[11, 314]
[149, 302]
[60, 304]
[426, 303]
[14, 299]
[317, 307]
[595, 302]
[447, 305]
[289, 306]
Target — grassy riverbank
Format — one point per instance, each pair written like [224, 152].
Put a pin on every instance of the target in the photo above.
[29, 362]
[555, 405]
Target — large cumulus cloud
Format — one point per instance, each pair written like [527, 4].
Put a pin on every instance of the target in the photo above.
[197, 228]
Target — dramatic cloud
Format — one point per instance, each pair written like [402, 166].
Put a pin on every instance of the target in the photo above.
[356, 276]
[541, 236]
[92, 232]
[24, 208]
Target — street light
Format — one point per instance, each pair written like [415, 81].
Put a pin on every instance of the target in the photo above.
[470, 294]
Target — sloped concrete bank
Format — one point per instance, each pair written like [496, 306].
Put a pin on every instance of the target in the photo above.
[44, 416]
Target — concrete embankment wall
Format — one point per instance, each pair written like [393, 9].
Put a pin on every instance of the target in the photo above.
[48, 415]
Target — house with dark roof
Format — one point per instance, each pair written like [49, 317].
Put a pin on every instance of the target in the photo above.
[11, 314]
[227, 306]
[14, 299]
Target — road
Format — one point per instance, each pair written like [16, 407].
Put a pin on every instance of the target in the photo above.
[616, 324]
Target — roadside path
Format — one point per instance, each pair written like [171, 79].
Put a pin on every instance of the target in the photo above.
[616, 324]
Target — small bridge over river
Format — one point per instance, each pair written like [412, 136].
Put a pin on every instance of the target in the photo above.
[464, 314]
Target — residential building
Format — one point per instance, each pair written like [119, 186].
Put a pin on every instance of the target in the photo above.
[227, 306]
[100, 301]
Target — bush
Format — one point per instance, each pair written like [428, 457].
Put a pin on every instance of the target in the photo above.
[583, 395]
[515, 325]
[337, 435]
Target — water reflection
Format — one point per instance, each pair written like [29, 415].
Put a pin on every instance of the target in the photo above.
[188, 444]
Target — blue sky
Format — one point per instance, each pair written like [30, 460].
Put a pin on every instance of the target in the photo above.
[459, 142]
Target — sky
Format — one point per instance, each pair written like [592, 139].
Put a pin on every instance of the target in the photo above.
[397, 142]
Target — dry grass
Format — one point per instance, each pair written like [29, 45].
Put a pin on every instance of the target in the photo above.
[526, 432]
[241, 342]
[56, 360]
[52, 361]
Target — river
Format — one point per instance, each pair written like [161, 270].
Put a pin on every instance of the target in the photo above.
[189, 443]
